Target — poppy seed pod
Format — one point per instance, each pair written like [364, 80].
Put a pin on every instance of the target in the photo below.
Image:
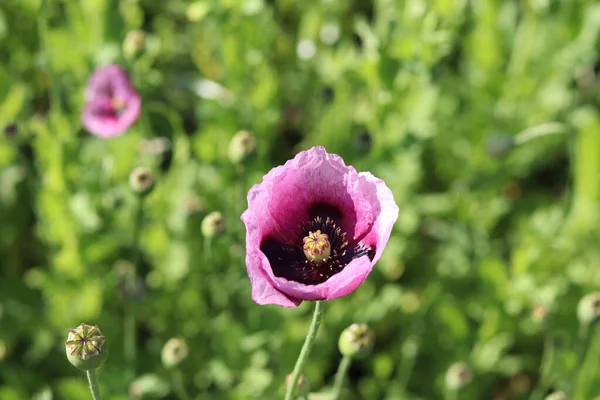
[86, 347]
[242, 147]
[588, 309]
[141, 181]
[214, 225]
[356, 341]
[302, 387]
[174, 352]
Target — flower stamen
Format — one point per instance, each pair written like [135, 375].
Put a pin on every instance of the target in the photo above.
[316, 247]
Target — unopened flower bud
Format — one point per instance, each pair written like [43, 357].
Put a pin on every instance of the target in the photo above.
[500, 145]
[356, 341]
[302, 387]
[242, 147]
[557, 396]
[134, 43]
[141, 180]
[213, 225]
[458, 376]
[588, 309]
[86, 347]
[174, 352]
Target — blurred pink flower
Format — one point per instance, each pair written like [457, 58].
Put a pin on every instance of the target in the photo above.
[314, 229]
[112, 104]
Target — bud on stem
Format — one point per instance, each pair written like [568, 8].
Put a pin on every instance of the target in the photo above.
[213, 225]
[141, 181]
[458, 376]
[356, 341]
[86, 347]
[87, 350]
[242, 147]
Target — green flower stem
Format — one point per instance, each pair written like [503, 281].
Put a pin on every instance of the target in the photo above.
[207, 252]
[340, 375]
[545, 369]
[93, 382]
[130, 319]
[306, 348]
[585, 336]
[179, 386]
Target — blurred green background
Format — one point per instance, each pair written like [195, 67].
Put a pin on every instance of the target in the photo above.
[429, 95]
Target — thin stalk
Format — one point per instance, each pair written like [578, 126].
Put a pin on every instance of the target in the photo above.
[306, 348]
[340, 375]
[130, 318]
[93, 382]
[545, 369]
[179, 386]
[585, 335]
[412, 344]
[207, 252]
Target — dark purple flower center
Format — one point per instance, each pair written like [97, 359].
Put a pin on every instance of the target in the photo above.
[290, 259]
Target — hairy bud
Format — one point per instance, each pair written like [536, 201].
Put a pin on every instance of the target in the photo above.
[174, 352]
[588, 309]
[242, 147]
[458, 376]
[141, 180]
[213, 225]
[356, 341]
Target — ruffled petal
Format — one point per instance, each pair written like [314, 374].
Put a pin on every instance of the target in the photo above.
[379, 235]
[257, 264]
[314, 177]
[100, 118]
[339, 285]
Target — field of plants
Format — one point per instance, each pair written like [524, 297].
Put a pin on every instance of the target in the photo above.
[133, 133]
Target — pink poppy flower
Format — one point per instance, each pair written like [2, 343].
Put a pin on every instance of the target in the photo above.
[112, 104]
[314, 229]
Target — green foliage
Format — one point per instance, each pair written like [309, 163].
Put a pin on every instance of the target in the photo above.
[410, 90]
